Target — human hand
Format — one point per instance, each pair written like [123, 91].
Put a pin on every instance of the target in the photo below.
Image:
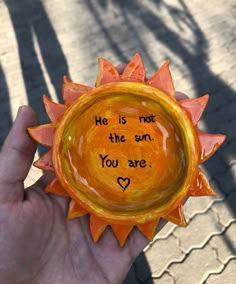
[38, 244]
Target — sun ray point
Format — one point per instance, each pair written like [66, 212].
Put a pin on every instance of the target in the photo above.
[201, 187]
[45, 162]
[106, 72]
[54, 110]
[55, 187]
[97, 227]
[177, 216]
[121, 232]
[134, 70]
[194, 107]
[75, 210]
[149, 229]
[43, 134]
[162, 80]
[209, 144]
[72, 91]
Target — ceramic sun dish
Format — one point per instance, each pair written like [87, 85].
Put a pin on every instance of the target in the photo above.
[126, 151]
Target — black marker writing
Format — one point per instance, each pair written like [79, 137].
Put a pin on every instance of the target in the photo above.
[122, 119]
[123, 182]
[108, 162]
[147, 119]
[116, 138]
[101, 120]
[143, 137]
[137, 163]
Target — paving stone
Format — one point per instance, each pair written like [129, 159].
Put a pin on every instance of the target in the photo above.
[166, 231]
[196, 205]
[228, 275]
[198, 232]
[225, 209]
[225, 244]
[165, 279]
[196, 267]
[162, 253]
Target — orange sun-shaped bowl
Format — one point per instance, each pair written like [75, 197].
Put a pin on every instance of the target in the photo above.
[126, 152]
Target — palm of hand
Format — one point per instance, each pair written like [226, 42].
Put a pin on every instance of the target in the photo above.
[51, 249]
[38, 244]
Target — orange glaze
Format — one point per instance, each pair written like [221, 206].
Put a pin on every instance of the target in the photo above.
[104, 161]
[126, 151]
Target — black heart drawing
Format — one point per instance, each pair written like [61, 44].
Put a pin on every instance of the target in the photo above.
[123, 182]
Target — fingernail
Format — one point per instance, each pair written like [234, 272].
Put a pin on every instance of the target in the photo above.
[18, 112]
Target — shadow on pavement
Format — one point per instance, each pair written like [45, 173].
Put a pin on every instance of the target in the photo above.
[219, 116]
[5, 108]
[31, 23]
[139, 272]
[32, 26]
[195, 59]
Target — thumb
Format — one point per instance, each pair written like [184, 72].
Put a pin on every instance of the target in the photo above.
[16, 156]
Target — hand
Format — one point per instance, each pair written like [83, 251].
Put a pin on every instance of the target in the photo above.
[37, 243]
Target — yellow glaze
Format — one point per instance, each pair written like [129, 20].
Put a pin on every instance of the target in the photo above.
[126, 152]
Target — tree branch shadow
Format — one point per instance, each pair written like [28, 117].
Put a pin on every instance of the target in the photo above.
[219, 116]
[32, 26]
